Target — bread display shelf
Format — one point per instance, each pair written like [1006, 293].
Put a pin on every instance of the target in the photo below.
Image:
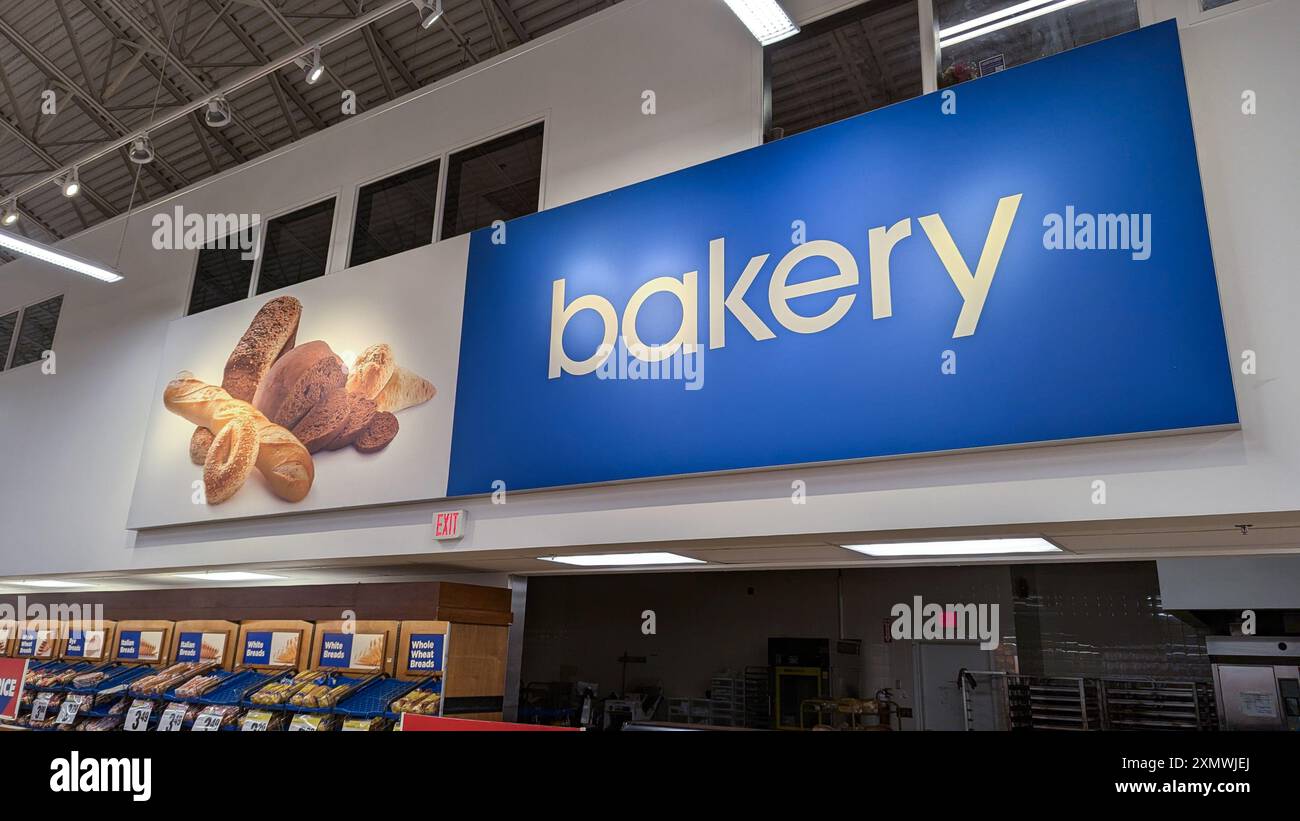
[8, 630]
[204, 640]
[87, 642]
[143, 642]
[38, 640]
[274, 645]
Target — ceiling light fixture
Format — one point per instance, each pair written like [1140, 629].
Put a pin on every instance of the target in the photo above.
[53, 256]
[228, 576]
[10, 214]
[430, 11]
[50, 583]
[765, 19]
[314, 69]
[141, 150]
[1010, 16]
[963, 547]
[71, 184]
[622, 559]
[217, 114]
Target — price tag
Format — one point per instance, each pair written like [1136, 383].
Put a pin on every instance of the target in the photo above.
[172, 718]
[256, 721]
[68, 710]
[41, 706]
[305, 723]
[207, 722]
[356, 725]
[137, 718]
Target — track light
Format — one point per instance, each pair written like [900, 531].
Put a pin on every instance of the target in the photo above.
[141, 151]
[71, 184]
[10, 214]
[218, 113]
[430, 11]
[315, 68]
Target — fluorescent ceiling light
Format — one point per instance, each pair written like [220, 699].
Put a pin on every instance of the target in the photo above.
[45, 253]
[1010, 16]
[967, 547]
[50, 583]
[765, 19]
[228, 576]
[622, 559]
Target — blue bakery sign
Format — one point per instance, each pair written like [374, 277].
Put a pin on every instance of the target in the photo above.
[1021, 259]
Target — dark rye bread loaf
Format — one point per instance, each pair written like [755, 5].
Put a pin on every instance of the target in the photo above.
[299, 380]
[362, 410]
[271, 333]
[381, 430]
[325, 421]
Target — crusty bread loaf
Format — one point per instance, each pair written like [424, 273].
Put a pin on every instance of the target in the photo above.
[404, 390]
[271, 333]
[281, 458]
[298, 381]
[381, 430]
[324, 421]
[372, 371]
[230, 459]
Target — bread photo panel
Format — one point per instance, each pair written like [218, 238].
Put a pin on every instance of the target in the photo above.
[333, 393]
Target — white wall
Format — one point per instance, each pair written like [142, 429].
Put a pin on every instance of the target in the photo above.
[77, 435]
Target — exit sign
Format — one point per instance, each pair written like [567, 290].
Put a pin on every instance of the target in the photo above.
[448, 525]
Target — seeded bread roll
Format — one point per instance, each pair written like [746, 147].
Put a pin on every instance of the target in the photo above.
[271, 333]
[200, 443]
[381, 430]
[324, 421]
[362, 410]
[230, 459]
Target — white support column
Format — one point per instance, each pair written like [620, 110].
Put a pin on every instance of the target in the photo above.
[929, 46]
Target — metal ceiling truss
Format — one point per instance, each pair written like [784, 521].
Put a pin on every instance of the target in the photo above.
[112, 59]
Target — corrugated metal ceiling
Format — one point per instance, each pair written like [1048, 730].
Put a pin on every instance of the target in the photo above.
[102, 60]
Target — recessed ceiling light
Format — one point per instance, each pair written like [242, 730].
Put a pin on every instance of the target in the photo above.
[50, 583]
[228, 576]
[966, 547]
[622, 559]
[45, 253]
[765, 19]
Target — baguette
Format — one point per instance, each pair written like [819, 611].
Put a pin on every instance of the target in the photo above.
[281, 458]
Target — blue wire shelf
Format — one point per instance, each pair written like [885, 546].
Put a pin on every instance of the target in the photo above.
[372, 700]
[333, 681]
[428, 685]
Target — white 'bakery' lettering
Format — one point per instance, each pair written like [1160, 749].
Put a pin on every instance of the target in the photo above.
[973, 287]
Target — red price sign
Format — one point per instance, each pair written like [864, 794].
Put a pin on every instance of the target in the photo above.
[12, 674]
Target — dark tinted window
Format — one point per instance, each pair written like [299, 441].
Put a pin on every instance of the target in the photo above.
[496, 180]
[1048, 34]
[862, 59]
[222, 277]
[297, 247]
[395, 214]
[36, 333]
[8, 323]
